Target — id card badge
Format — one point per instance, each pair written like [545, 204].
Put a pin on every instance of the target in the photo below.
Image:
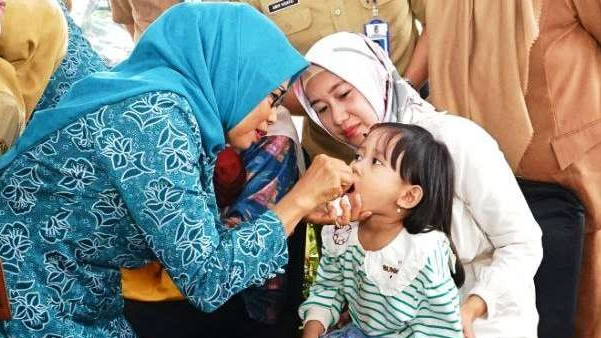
[377, 31]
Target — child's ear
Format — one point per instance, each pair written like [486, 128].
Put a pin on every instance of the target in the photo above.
[410, 196]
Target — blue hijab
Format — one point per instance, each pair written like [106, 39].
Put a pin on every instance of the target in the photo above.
[223, 58]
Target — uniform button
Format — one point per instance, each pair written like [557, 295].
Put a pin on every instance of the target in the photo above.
[337, 12]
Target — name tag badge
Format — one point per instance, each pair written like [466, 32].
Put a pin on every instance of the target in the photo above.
[377, 31]
[279, 5]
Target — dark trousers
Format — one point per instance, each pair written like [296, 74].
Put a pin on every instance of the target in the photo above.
[561, 217]
[179, 319]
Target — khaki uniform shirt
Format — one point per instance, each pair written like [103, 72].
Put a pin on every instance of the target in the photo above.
[564, 102]
[306, 21]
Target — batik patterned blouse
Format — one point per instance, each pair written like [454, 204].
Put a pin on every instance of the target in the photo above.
[272, 170]
[121, 186]
[80, 61]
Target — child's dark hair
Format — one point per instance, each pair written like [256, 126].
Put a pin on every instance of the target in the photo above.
[427, 163]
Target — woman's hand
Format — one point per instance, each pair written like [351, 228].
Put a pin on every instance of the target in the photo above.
[313, 329]
[324, 181]
[320, 215]
[474, 307]
[351, 212]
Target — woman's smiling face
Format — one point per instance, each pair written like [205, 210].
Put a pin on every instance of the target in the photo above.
[341, 108]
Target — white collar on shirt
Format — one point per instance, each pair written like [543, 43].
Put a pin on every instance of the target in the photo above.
[395, 266]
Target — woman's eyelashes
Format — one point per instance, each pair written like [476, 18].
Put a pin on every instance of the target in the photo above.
[344, 94]
[319, 109]
[276, 97]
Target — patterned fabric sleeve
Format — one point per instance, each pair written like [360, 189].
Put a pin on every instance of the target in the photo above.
[271, 170]
[325, 302]
[154, 156]
[438, 311]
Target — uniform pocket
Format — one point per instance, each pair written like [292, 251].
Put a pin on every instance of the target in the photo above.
[290, 21]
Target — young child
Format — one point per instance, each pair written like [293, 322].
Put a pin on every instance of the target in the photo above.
[396, 270]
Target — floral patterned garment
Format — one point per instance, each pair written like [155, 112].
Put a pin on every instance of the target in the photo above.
[124, 185]
[272, 170]
[80, 61]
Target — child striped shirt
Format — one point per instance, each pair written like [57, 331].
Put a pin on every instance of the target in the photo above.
[403, 290]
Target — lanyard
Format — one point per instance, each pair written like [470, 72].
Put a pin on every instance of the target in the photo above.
[374, 8]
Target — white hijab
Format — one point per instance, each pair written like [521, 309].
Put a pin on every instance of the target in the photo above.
[363, 64]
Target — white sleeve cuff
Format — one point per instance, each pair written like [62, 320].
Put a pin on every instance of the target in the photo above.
[322, 315]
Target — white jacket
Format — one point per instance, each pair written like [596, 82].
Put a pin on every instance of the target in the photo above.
[496, 235]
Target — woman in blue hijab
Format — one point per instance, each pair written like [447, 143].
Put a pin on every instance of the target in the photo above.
[120, 173]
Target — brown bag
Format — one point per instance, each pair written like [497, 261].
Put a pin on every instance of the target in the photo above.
[4, 302]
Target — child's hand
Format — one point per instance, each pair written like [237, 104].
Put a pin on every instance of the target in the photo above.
[344, 319]
[313, 329]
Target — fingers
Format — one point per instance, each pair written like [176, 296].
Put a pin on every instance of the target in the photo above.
[345, 318]
[356, 206]
[364, 215]
[332, 211]
[328, 178]
[346, 178]
[335, 165]
[320, 216]
[345, 207]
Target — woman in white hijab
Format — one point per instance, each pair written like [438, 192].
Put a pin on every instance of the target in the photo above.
[351, 85]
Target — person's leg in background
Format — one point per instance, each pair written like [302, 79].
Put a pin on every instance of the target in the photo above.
[122, 14]
[157, 320]
[144, 12]
[560, 215]
[587, 172]
[136, 15]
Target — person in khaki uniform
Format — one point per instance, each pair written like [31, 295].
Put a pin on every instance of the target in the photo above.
[29, 55]
[564, 105]
[306, 21]
[531, 77]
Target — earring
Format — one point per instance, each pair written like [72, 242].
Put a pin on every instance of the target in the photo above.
[398, 210]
